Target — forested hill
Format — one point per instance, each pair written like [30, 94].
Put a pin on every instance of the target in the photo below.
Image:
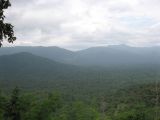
[27, 62]
[54, 53]
[34, 72]
[95, 56]
[26, 66]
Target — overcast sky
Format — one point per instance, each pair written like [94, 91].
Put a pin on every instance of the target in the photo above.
[78, 24]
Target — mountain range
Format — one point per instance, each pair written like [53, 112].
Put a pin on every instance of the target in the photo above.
[48, 67]
[96, 56]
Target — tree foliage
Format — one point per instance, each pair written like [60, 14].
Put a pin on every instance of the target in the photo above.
[36, 105]
[12, 110]
[6, 29]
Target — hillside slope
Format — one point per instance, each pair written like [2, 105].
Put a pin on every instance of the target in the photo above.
[28, 66]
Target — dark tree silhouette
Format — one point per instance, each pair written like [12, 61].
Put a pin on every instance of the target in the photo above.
[6, 29]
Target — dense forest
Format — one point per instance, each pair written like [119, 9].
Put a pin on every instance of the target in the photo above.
[133, 103]
[33, 87]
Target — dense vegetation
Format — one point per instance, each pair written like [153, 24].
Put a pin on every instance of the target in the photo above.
[133, 103]
[48, 90]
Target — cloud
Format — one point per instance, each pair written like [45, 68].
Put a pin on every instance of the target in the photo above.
[77, 24]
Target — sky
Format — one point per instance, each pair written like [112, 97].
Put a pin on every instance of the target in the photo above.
[79, 24]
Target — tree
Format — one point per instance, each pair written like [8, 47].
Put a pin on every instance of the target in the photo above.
[45, 109]
[2, 103]
[81, 111]
[6, 29]
[12, 110]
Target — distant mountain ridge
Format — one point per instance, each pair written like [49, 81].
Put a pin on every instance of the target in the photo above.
[26, 66]
[95, 56]
[54, 53]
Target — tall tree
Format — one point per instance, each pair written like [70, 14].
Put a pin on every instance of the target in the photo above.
[12, 110]
[6, 29]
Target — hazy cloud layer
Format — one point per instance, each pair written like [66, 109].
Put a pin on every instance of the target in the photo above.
[77, 24]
